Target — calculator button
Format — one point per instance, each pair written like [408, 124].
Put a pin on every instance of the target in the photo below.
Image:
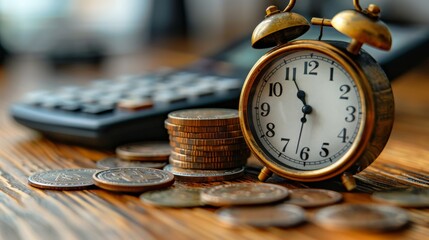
[134, 104]
[96, 109]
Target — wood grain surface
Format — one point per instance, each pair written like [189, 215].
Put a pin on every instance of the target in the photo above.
[31, 213]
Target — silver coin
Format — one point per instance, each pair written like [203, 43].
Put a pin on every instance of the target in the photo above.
[283, 215]
[405, 197]
[63, 179]
[372, 217]
[244, 194]
[132, 179]
[173, 197]
[196, 175]
[113, 162]
[309, 197]
[204, 117]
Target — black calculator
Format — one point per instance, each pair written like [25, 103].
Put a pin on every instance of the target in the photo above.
[107, 113]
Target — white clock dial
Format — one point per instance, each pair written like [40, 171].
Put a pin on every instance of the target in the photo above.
[305, 110]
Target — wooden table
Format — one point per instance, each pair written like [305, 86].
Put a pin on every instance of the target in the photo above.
[30, 213]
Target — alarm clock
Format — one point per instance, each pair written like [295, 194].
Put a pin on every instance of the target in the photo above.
[313, 110]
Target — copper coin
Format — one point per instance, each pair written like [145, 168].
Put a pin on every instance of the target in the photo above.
[208, 159]
[313, 197]
[144, 151]
[404, 197]
[173, 197]
[195, 175]
[240, 152]
[207, 165]
[220, 147]
[283, 215]
[113, 162]
[201, 129]
[205, 142]
[63, 179]
[244, 194]
[132, 179]
[371, 217]
[214, 135]
[204, 117]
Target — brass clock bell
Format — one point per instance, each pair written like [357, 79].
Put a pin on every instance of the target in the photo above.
[313, 110]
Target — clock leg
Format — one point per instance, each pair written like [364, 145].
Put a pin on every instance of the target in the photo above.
[264, 174]
[348, 181]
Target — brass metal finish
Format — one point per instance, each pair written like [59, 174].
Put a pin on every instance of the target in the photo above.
[377, 110]
[348, 181]
[264, 174]
[279, 27]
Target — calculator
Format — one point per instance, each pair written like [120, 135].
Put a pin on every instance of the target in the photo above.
[107, 113]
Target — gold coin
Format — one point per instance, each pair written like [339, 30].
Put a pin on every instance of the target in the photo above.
[283, 215]
[198, 165]
[211, 135]
[404, 197]
[132, 179]
[220, 147]
[204, 117]
[240, 152]
[244, 194]
[173, 197]
[313, 197]
[63, 179]
[208, 159]
[196, 175]
[144, 151]
[200, 129]
[205, 142]
[372, 217]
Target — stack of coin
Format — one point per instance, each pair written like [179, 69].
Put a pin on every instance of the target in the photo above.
[206, 139]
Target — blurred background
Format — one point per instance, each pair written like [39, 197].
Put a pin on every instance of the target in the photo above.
[90, 31]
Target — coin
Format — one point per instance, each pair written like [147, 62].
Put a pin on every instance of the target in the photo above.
[215, 141]
[208, 159]
[200, 129]
[373, 217]
[132, 179]
[63, 179]
[207, 165]
[204, 117]
[219, 147]
[405, 197]
[210, 135]
[173, 197]
[188, 152]
[313, 197]
[243, 194]
[282, 215]
[144, 151]
[195, 175]
[113, 162]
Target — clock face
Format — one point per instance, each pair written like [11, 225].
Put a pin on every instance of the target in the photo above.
[305, 110]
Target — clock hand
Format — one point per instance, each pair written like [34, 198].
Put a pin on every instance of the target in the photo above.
[303, 120]
[300, 94]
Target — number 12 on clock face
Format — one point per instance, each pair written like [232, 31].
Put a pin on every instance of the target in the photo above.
[306, 110]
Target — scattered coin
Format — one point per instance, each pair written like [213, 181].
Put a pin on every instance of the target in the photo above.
[405, 197]
[210, 135]
[113, 162]
[215, 141]
[282, 215]
[195, 175]
[144, 151]
[200, 129]
[361, 217]
[133, 179]
[244, 194]
[63, 179]
[173, 197]
[204, 117]
[207, 165]
[308, 198]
